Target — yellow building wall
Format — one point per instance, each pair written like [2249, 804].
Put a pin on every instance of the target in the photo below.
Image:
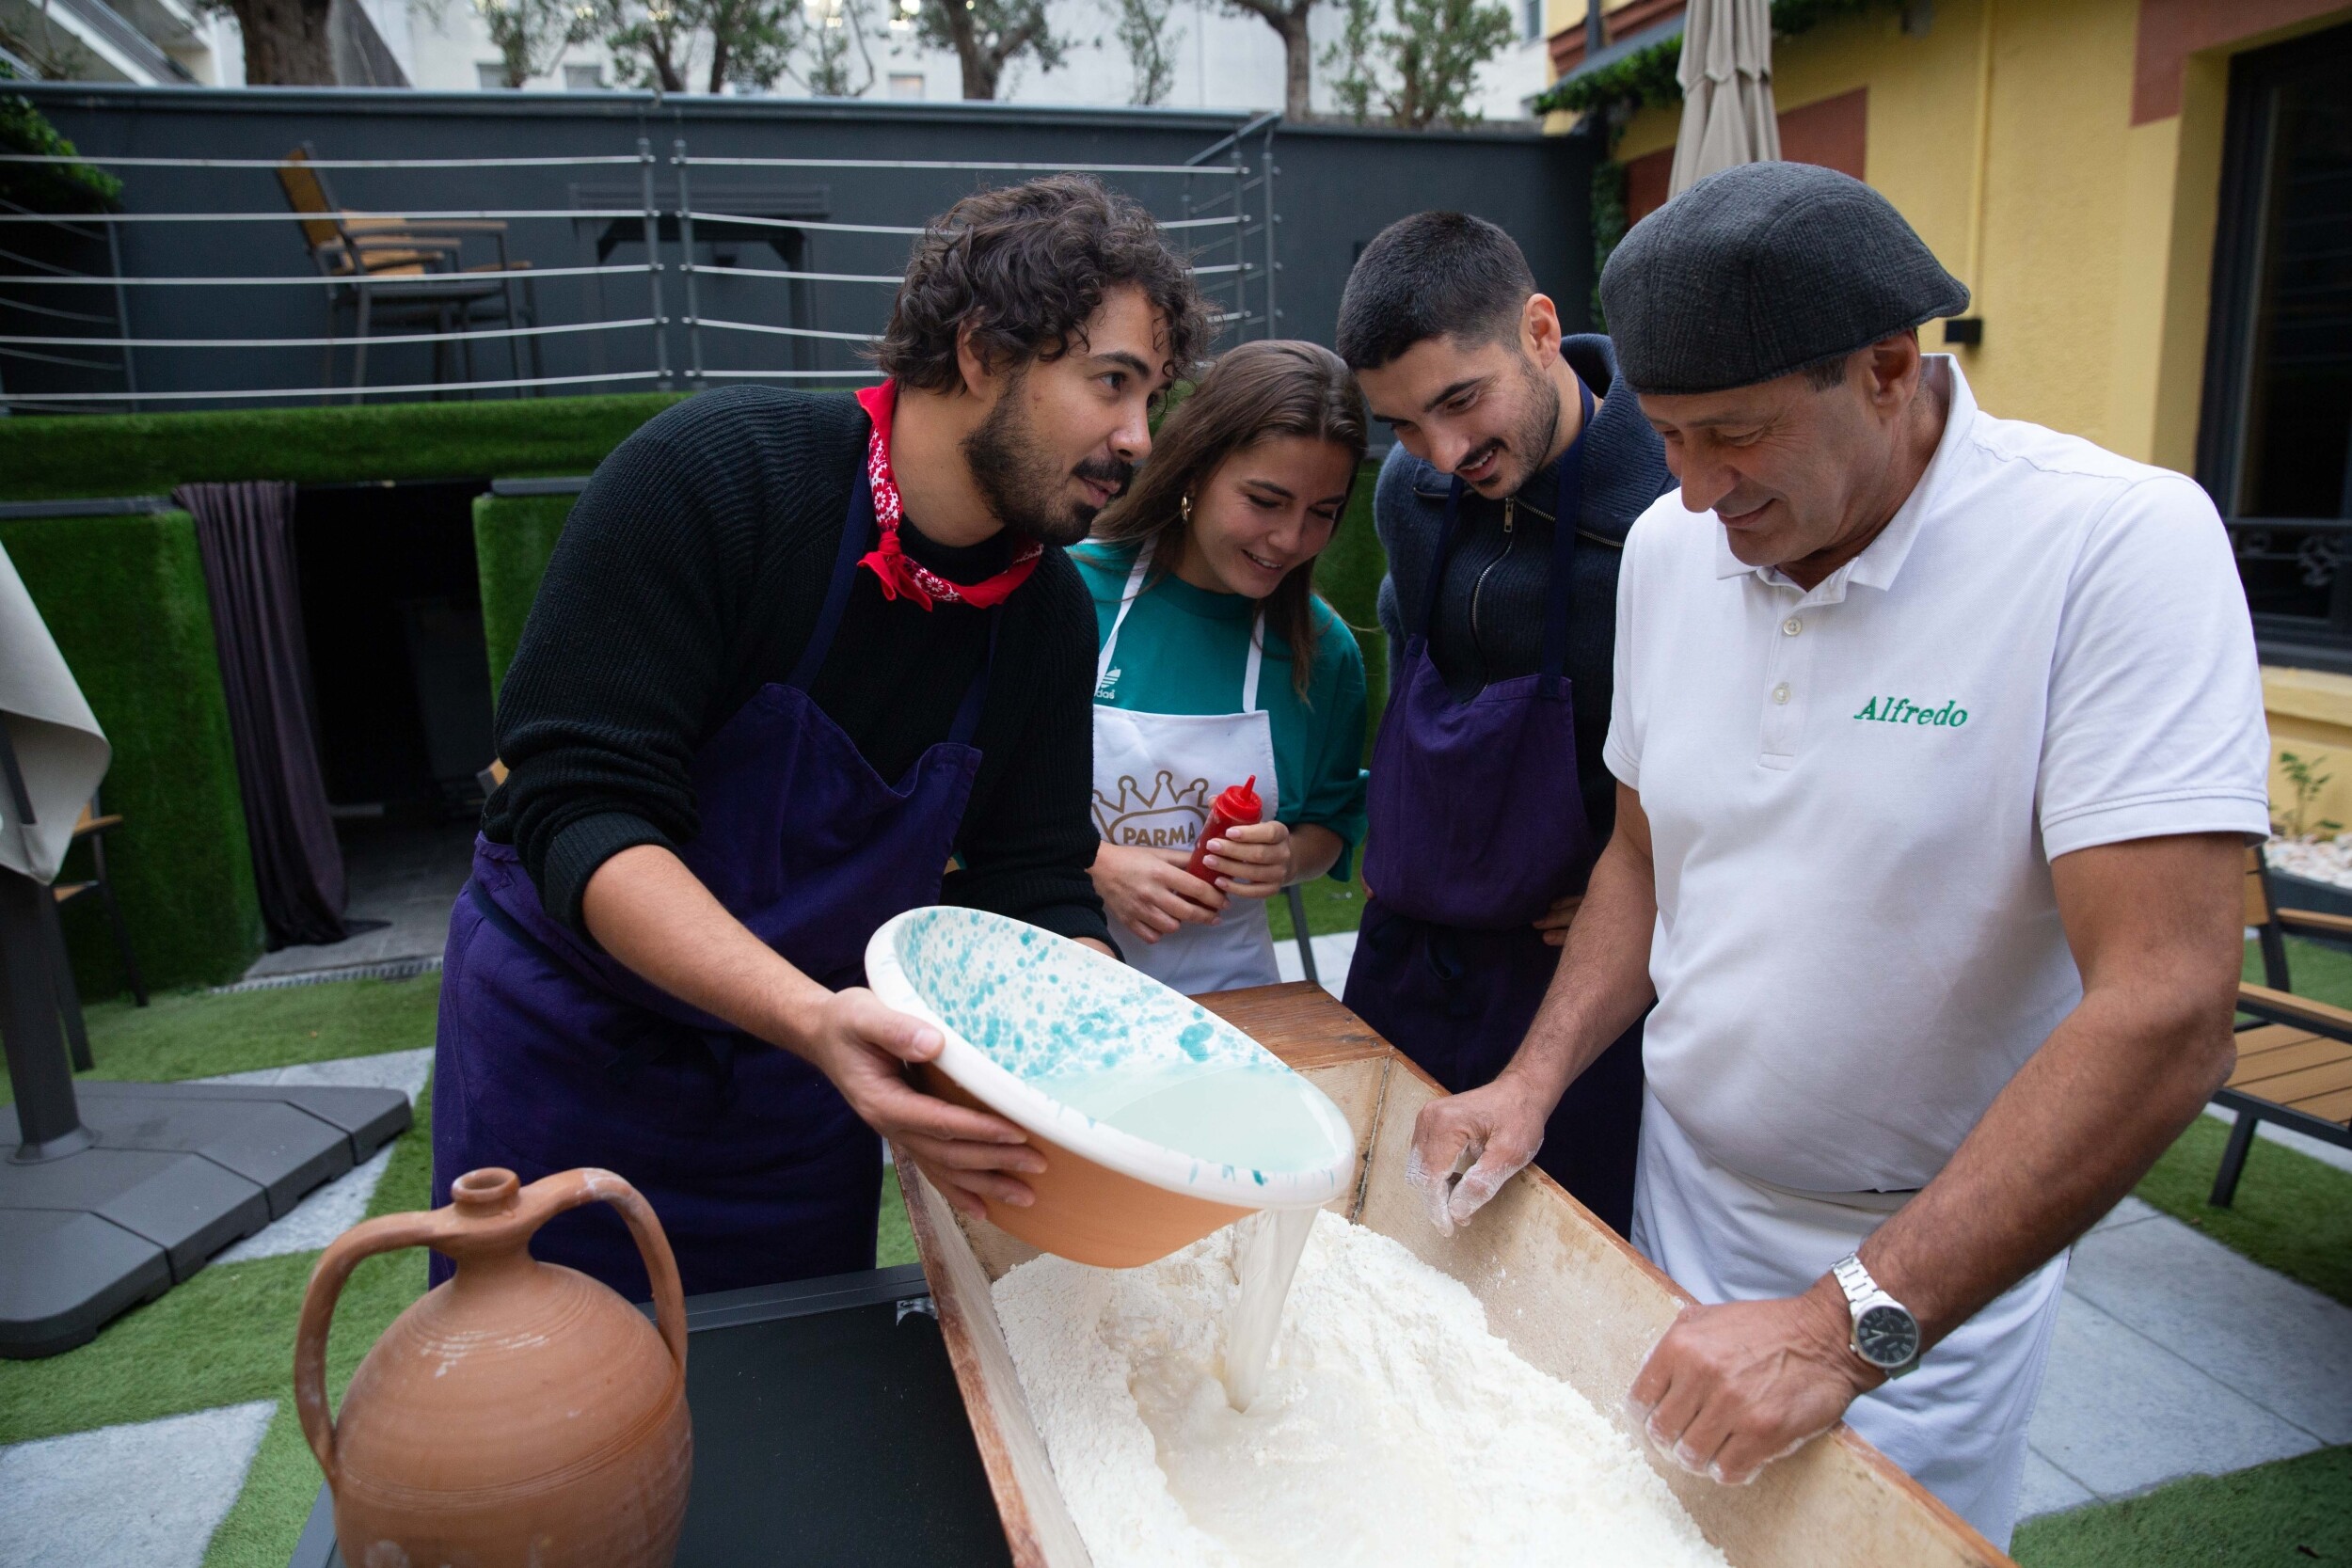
[2004, 136]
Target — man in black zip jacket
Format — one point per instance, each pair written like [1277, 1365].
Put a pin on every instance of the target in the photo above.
[1501, 508]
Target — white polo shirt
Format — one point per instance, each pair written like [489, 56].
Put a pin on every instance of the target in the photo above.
[1854, 793]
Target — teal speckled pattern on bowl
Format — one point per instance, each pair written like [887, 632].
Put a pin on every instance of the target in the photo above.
[1040, 1017]
[1105, 1060]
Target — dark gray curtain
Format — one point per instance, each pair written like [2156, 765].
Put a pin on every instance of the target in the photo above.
[246, 534]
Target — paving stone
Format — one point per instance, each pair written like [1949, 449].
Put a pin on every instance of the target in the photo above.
[150, 1493]
[343, 1203]
[2121, 1414]
[2047, 1489]
[1333, 954]
[2130, 1211]
[2279, 1343]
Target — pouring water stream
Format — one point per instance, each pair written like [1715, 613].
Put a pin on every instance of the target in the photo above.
[1265, 1260]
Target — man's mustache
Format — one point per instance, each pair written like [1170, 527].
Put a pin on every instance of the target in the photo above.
[1104, 470]
[1479, 456]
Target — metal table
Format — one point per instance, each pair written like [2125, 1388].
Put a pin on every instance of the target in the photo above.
[827, 1430]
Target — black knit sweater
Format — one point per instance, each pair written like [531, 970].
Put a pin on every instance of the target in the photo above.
[691, 573]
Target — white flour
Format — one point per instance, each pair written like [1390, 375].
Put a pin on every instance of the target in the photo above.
[1392, 1429]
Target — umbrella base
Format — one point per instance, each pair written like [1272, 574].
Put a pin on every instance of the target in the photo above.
[172, 1173]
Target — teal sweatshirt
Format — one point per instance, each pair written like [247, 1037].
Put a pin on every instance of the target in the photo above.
[1184, 650]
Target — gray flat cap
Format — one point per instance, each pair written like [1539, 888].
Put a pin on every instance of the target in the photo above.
[1761, 270]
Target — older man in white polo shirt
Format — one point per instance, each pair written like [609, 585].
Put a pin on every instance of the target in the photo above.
[1939, 739]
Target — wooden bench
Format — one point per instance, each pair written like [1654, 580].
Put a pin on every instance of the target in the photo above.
[2295, 1059]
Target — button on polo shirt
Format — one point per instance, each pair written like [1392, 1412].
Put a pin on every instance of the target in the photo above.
[1854, 791]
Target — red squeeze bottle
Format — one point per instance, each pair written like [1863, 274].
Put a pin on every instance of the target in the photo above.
[1238, 807]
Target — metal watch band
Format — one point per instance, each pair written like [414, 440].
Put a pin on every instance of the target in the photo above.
[1862, 1293]
[1854, 1279]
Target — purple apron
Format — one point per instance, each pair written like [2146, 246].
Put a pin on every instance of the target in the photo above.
[1476, 825]
[553, 1055]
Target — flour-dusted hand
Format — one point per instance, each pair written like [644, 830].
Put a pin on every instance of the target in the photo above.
[1253, 861]
[969, 1155]
[1488, 1135]
[1150, 892]
[1730, 1388]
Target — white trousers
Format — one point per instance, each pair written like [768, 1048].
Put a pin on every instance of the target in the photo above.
[1957, 1422]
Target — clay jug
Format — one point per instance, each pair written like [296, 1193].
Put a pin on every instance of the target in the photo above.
[518, 1414]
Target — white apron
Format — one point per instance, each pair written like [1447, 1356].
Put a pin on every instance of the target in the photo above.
[1155, 777]
[1957, 1422]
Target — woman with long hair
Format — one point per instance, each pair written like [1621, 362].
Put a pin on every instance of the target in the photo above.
[1219, 664]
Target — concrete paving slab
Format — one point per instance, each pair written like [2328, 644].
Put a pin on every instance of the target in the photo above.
[343, 1203]
[1333, 954]
[405, 876]
[2278, 1343]
[2131, 1211]
[150, 1493]
[2047, 1489]
[2121, 1414]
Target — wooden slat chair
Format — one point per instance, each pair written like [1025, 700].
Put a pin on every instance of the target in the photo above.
[2295, 1059]
[406, 272]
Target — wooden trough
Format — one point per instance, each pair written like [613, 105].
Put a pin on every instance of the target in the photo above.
[1560, 1288]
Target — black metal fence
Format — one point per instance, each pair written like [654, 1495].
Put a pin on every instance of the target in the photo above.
[279, 245]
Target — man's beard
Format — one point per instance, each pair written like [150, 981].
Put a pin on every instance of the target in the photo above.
[1533, 436]
[1023, 486]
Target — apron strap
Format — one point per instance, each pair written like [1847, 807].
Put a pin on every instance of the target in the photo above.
[1134, 591]
[1567, 511]
[1127, 597]
[854, 532]
[1255, 662]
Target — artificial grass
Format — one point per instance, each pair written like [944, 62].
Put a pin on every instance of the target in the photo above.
[2292, 1212]
[198, 1034]
[226, 1336]
[1331, 907]
[135, 454]
[124, 597]
[513, 538]
[894, 1239]
[2274, 1515]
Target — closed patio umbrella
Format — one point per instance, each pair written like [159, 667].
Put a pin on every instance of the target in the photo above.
[1726, 77]
[57, 744]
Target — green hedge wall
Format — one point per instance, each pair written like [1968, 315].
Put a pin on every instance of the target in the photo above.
[1348, 575]
[124, 597]
[135, 454]
[513, 537]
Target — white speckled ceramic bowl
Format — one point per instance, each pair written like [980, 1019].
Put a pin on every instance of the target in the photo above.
[1159, 1121]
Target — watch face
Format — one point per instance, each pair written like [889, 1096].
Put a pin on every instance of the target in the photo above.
[1886, 1335]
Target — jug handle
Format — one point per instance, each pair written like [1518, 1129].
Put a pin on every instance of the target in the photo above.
[388, 1233]
[533, 1208]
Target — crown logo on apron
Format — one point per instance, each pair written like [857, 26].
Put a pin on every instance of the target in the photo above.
[1168, 818]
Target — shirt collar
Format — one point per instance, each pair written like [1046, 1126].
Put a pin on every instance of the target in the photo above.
[1884, 558]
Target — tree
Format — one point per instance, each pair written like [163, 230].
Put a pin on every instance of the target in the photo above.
[836, 30]
[531, 34]
[1288, 18]
[989, 34]
[1142, 29]
[664, 42]
[1419, 72]
[286, 43]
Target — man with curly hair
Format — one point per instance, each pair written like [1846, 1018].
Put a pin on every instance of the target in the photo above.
[795, 653]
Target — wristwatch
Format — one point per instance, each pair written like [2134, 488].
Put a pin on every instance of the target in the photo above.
[1885, 1335]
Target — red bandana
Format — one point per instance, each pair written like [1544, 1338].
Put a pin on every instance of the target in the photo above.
[899, 572]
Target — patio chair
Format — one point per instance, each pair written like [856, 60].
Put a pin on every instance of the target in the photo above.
[94, 824]
[2294, 1058]
[399, 273]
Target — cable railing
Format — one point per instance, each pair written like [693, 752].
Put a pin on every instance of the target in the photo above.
[395, 280]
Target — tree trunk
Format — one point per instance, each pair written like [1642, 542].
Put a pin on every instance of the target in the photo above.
[1298, 102]
[286, 43]
[979, 71]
